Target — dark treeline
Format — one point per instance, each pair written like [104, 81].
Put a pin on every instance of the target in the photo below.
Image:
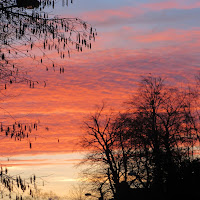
[150, 151]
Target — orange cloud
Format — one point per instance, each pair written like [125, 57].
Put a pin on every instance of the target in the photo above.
[107, 75]
[38, 162]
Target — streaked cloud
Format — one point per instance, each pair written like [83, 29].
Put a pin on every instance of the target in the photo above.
[135, 38]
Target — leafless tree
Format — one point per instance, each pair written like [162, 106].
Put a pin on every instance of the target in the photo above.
[145, 146]
[168, 126]
[41, 195]
[78, 191]
[109, 155]
[27, 31]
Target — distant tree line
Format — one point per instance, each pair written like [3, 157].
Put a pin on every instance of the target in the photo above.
[151, 150]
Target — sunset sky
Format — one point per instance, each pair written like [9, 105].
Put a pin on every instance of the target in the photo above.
[135, 38]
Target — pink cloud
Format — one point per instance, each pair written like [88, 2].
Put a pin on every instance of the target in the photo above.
[170, 4]
[100, 16]
[124, 13]
[173, 35]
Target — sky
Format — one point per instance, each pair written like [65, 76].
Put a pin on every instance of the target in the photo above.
[135, 38]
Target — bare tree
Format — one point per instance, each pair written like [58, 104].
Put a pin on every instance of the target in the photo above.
[41, 195]
[78, 191]
[27, 31]
[168, 126]
[146, 146]
[109, 155]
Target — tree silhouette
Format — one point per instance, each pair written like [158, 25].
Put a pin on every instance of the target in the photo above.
[150, 146]
[28, 32]
[109, 156]
[168, 128]
[77, 192]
